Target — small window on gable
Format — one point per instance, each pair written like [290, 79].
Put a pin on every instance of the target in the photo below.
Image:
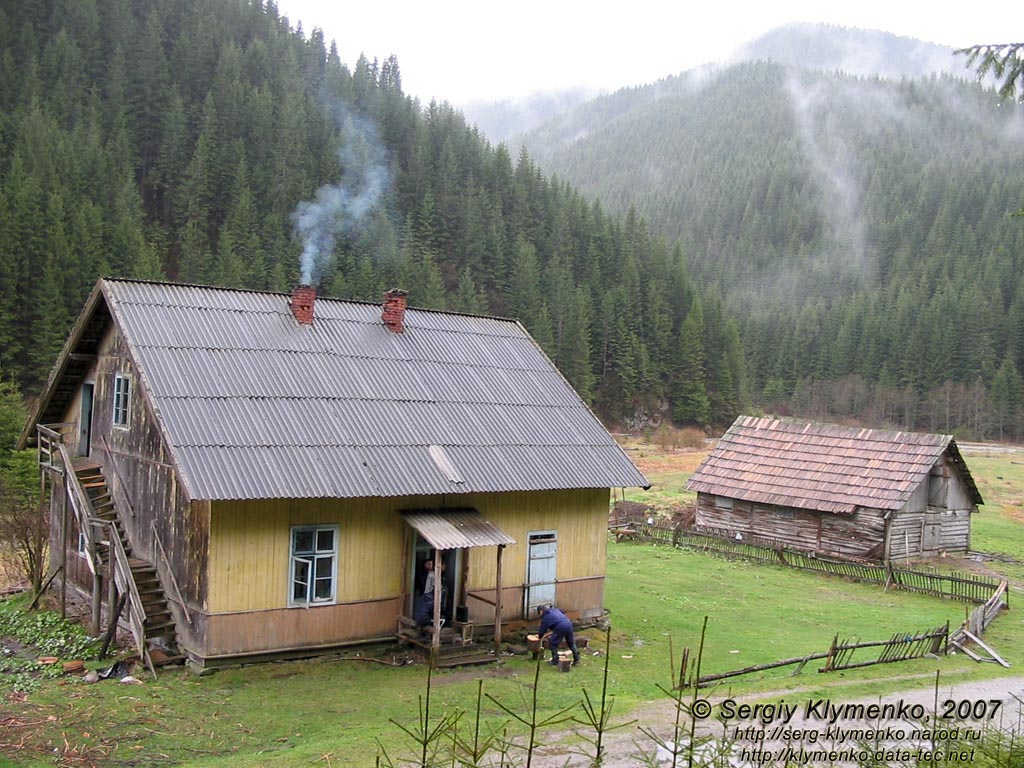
[122, 400]
[314, 560]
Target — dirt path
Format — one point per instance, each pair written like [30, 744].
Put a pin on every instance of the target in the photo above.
[812, 723]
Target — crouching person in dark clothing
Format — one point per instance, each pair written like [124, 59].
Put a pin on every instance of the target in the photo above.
[557, 627]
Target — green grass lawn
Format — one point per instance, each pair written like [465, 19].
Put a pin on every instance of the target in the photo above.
[334, 712]
[295, 713]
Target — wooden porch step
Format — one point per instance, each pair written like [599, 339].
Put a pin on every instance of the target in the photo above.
[159, 617]
[161, 659]
[158, 630]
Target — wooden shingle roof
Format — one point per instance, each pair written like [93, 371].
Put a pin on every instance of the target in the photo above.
[823, 466]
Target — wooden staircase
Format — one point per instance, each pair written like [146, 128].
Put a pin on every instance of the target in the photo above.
[149, 613]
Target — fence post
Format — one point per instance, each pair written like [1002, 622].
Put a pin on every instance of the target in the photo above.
[831, 654]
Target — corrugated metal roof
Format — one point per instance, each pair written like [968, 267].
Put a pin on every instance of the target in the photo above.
[821, 466]
[456, 528]
[256, 405]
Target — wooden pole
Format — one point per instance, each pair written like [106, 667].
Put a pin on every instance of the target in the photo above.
[97, 600]
[111, 584]
[497, 601]
[43, 586]
[435, 644]
[112, 628]
[64, 554]
[43, 512]
[97, 584]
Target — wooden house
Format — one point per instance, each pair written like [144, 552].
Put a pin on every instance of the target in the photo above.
[864, 493]
[264, 473]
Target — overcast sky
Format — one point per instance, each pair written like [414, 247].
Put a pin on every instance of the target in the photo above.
[466, 50]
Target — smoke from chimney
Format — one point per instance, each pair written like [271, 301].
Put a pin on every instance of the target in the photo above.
[342, 207]
[303, 299]
[393, 310]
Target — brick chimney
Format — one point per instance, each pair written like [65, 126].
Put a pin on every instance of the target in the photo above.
[393, 311]
[303, 298]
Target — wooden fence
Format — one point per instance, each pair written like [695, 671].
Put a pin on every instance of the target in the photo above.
[991, 595]
[976, 624]
[900, 647]
[956, 586]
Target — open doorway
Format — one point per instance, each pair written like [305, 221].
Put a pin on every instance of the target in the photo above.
[450, 572]
[85, 419]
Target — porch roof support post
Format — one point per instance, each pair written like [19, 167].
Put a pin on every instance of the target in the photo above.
[435, 643]
[497, 602]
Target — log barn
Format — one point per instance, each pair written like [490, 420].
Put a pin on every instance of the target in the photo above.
[865, 493]
[263, 474]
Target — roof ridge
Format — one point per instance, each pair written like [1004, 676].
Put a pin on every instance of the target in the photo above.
[285, 294]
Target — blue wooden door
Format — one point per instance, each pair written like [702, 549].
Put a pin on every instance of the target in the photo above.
[540, 571]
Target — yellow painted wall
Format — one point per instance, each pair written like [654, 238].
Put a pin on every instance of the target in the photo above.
[250, 547]
[580, 517]
[250, 540]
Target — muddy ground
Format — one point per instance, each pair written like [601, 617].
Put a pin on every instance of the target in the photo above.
[815, 724]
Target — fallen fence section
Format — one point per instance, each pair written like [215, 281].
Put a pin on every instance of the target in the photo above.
[977, 622]
[899, 647]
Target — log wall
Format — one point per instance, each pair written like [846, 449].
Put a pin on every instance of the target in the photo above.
[856, 535]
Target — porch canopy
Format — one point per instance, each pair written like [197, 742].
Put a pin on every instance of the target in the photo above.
[461, 529]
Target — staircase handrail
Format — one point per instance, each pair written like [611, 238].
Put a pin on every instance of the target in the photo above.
[122, 568]
[126, 584]
[117, 476]
[170, 572]
[81, 506]
[48, 436]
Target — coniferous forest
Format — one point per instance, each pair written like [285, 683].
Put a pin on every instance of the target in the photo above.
[205, 141]
[215, 142]
[863, 231]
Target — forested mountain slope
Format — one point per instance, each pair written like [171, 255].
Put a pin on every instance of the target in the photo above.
[860, 228]
[208, 141]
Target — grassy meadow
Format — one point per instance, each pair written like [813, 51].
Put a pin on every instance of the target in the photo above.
[337, 711]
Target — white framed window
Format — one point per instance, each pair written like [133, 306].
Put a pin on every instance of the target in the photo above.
[314, 565]
[122, 400]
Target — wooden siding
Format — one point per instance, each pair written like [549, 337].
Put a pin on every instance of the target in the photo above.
[851, 535]
[858, 535]
[250, 548]
[77, 573]
[250, 542]
[958, 496]
[580, 518]
[285, 629]
[143, 481]
[249, 565]
[956, 530]
[905, 535]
